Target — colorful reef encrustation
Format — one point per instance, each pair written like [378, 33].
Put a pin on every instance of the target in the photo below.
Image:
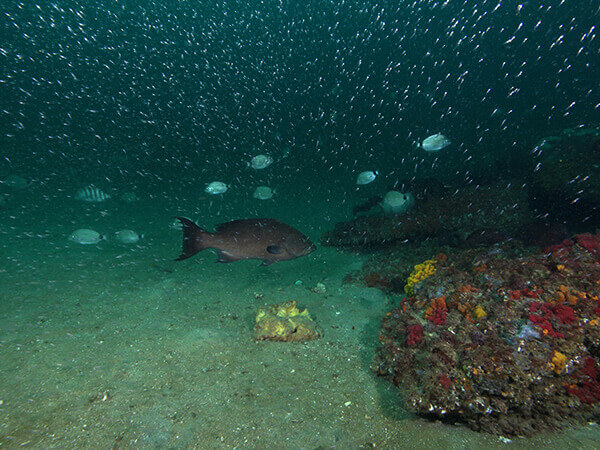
[508, 346]
[285, 322]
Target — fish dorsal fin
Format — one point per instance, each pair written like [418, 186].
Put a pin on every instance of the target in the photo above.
[232, 225]
[274, 249]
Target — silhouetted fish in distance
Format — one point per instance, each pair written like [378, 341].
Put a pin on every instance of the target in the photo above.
[266, 239]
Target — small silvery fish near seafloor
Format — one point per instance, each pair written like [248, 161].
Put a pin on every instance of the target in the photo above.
[366, 177]
[395, 202]
[128, 236]
[129, 197]
[435, 143]
[91, 194]
[216, 187]
[86, 236]
[263, 193]
[16, 182]
[260, 162]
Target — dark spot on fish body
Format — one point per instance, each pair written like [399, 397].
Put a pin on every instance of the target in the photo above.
[274, 249]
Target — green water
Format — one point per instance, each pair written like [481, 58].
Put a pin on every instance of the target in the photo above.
[112, 345]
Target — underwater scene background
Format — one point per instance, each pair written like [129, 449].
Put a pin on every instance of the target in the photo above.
[443, 156]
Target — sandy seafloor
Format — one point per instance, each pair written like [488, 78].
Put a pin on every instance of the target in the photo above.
[115, 346]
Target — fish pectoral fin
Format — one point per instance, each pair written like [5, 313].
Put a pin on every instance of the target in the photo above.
[225, 257]
[274, 249]
[268, 262]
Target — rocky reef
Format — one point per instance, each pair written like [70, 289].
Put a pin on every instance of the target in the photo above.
[497, 210]
[505, 344]
[558, 185]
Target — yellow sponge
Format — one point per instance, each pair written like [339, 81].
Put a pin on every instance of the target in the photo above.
[284, 322]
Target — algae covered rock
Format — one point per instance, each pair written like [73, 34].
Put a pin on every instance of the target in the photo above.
[285, 322]
[502, 207]
[506, 345]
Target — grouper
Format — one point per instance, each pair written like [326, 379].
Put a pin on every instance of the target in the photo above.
[266, 239]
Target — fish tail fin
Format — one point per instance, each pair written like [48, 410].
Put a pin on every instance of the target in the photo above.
[193, 237]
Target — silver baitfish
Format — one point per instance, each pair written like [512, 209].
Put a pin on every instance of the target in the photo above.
[91, 194]
[366, 177]
[129, 197]
[264, 193]
[216, 187]
[128, 236]
[435, 143]
[86, 236]
[16, 182]
[260, 162]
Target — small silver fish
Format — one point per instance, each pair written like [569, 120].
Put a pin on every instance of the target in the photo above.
[16, 182]
[395, 202]
[435, 143]
[86, 236]
[128, 236]
[91, 194]
[366, 177]
[263, 193]
[261, 162]
[129, 197]
[216, 187]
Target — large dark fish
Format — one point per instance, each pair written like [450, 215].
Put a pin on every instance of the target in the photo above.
[266, 239]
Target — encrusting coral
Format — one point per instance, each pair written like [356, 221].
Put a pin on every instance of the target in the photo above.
[507, 345]
[284, 322]
[420, 272]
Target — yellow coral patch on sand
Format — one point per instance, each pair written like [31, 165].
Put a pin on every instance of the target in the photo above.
[284, 322]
